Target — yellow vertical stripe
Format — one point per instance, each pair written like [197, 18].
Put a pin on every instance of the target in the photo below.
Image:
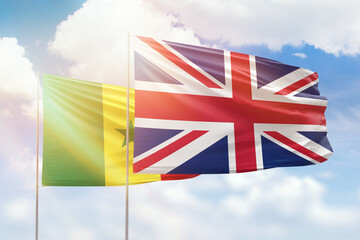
[114, 117]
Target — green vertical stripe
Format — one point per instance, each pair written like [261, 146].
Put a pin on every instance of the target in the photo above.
[73, 151]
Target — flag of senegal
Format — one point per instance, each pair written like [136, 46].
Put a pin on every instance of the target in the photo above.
[84, 131]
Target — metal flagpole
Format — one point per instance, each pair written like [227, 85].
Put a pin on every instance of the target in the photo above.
[37, 163]
[127, 146]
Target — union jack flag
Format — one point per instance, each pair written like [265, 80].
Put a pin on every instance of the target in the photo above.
[200, 110]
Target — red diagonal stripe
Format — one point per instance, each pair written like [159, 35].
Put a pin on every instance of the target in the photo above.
[179, 62]
[296, 146]
[295, 86]
[166, 151]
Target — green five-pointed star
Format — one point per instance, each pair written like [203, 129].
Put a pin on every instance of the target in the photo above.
[131, 133]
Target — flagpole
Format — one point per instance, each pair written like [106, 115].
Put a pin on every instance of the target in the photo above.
[127, 145]
[37, 163]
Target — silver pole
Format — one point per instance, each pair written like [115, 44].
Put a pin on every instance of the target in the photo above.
[127, 146]
[37, 163]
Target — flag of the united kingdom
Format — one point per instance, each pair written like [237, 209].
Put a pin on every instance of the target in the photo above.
[200, 110]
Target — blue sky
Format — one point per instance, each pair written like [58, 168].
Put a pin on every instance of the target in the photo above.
[87, 39]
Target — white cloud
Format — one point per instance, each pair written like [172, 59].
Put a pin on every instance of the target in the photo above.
[278, 205]
[355, 111]
[37, 42]
[286, 195]
[18, 210]
[94, 38]
[21, 165]
[326, 175]
[16, 75]
[18, 87]
[345, 120]
[81, 233]
[329, 25]
[300, 55]
[18, 91]
[343, 132]
[30, 110]
[6, 112]
[179, 194]
[24, 161]
[273, 203]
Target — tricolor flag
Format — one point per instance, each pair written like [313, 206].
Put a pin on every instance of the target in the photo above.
[84, 135]
[201, 110]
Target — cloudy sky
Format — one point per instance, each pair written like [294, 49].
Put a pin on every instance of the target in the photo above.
[87, 40]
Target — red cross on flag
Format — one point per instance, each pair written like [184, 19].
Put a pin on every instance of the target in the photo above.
[201, 110]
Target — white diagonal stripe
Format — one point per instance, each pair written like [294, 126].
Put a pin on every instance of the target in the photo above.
[190, 84]
[291, 132]
[179, 157]
[217, 130]
[287, 80]
[190, 63]
[160, 146]
[299, 90]
[307, 143]
[267, 92]
[290, 149]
